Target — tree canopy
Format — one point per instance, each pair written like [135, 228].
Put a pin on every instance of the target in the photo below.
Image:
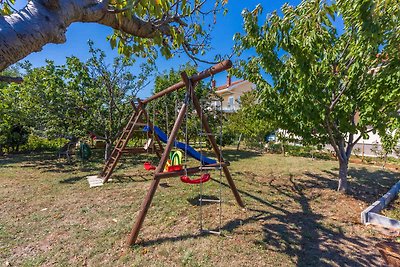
[142, 28]
[321, 65]
[73, 99]
[249, 121]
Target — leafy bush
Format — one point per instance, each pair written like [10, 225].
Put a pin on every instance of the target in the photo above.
[228, 138]
[274, 148]
[37, 143]
[13, 137]
[297, 151]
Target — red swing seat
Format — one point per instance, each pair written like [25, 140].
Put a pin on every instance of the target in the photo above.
[174, 168]
[149, 167]
[204, 178]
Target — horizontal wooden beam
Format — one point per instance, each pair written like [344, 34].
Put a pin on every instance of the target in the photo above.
[138, 150]
[190, 170]
[223, 65]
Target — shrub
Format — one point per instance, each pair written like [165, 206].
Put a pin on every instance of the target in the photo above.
[274, 148]
[13, 137]
[297, 151]
[38, 143]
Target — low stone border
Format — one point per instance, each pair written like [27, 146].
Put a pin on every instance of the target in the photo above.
[371, 214]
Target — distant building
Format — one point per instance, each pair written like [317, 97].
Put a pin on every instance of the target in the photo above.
[231, 93]
[372, 145]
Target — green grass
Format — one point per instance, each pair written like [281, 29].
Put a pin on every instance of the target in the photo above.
[293, 216]
[393, 209]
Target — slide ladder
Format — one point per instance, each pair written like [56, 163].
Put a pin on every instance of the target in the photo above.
[134, 122]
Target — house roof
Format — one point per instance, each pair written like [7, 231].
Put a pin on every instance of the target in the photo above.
[225, 86]
[225, 89]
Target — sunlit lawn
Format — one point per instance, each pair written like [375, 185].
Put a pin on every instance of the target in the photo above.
[294, 216]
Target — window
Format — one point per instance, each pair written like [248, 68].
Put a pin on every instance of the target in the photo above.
[230, 102]
[217, 105]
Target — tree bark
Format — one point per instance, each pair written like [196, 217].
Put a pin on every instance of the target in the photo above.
[343, 170]
[238, 144]
[45, 21]
[107, 150]
[8, 79]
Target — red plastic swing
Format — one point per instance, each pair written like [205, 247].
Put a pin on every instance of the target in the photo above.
[148, 166]
[204, 178]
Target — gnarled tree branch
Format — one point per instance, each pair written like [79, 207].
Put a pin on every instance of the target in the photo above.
[9, 79]
[42, 22]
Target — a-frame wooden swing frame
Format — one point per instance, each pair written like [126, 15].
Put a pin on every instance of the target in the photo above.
[189, 83]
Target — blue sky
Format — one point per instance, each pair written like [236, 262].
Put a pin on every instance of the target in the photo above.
[221, 39]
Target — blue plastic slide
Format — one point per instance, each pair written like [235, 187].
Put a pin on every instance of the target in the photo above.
[190, 150]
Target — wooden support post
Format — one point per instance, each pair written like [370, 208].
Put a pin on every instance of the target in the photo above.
[215, 147]
[153, 187]
[133, 105]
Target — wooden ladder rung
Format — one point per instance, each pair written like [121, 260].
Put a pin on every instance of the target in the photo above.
[210, 168]
[109, 166]
[210, 200]
[134, 121]
[211, 232]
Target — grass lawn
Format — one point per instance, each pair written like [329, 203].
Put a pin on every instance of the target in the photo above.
[294, 216]
[393, 210]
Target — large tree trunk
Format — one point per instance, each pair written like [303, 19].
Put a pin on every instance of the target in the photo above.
[344, 153]
[107, 150]
[46, 21]
[238, 144]
[343, 169]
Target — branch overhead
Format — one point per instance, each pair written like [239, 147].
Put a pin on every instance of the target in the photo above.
[145, 30]
[9, 79]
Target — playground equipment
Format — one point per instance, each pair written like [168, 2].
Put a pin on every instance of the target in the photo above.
[140, 119]
[68, 149]
[84, 152]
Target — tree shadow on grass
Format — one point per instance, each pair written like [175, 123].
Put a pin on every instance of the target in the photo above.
[26, 157]
[119, 179]
[299, 233]
[55, 165]
[45, 162]
[234, 155]
[72, 180]
[49, 162]
[364, 184]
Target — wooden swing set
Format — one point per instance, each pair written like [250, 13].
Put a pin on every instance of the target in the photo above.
[137, 121]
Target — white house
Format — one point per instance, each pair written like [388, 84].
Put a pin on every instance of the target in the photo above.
[231, 93]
